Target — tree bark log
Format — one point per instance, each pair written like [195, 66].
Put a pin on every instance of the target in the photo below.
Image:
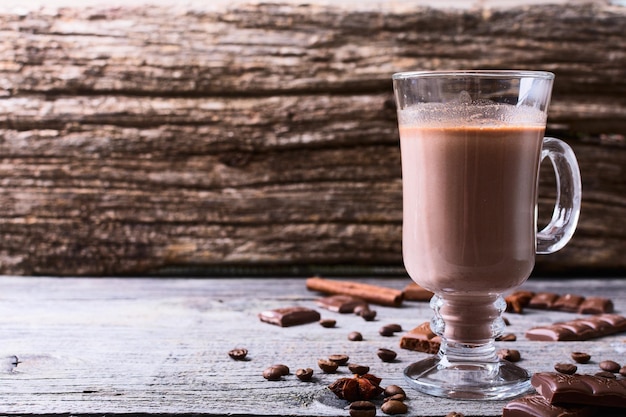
[136, 139]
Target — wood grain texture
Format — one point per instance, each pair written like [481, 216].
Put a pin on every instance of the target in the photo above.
[136, 138]
[160, 346]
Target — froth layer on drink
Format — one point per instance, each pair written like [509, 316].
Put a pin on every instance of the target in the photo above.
[473, 114]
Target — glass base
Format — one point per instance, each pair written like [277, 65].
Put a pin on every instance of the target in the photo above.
[468, 380]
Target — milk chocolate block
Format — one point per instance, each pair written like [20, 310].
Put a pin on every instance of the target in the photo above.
[589, 390]
[289, 316]
[341, 303]
[543, 300]
[537, 406]
[596, 305]
[579, 329]
[568, 302]
[421, 339]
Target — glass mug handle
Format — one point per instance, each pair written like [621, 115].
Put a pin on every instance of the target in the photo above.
[568, 196]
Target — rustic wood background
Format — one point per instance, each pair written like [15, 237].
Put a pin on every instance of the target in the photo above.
[137, 139]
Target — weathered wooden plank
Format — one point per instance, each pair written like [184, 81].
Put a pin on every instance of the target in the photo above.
[129, 346]
[140, 137]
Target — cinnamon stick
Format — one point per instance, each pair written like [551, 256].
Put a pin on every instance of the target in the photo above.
[374, 294]
[413, 292]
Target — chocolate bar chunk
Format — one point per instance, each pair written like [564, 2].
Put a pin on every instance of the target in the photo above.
[590, 390]
[341, 303]
[579, 329]
[537, 406]
[289, 316]
[518, 300]
[421, 339]
[596, 305]
[543, 300]
[568, 302]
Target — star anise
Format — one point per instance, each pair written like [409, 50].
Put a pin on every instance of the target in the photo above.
[359, 388]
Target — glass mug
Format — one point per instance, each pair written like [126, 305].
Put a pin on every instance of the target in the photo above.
[471, 146]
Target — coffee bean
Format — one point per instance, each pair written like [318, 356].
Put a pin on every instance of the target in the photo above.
[284, 369]
[394, 407]
[397, 397]
[581, 357]
[304, 374]
[385, 331]
[327, 366]
[358, 369]
[610, 366]
[511, 355]
[622, 370]
[606, 374]
[328, 323]
[386, 355]
[506, 323]
[566, 368]
[455, 414]
[272, 374]
[394, 390]
[509, 337]
[339, 359]
[238, 354]
[362, 409]
[358, 310]
[368, 315]
[394, 327]
[355, 336]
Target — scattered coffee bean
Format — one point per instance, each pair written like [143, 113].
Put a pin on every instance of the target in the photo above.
[397, 397]
[328, 323]
[355, 336]
[606, 374]
[610, 366]
[506, 323]
[327, 366]
[238, 354]
[339, 359]
[358, 369]
[394, 327]
[386, 355]
[511, 355]
[273, 374]
[368, 315]
[304, 374]
[385, 331]
[393, 407]
[509, 337]
[360, 309]
[362, 409]
[622, 370]
[566, 368]
[393, 390]
[455, 414]
[284, 369]
[581, 357]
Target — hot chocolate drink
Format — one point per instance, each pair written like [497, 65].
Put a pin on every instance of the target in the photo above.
[469, 205]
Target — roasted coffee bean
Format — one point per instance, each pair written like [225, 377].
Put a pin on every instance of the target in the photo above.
[566, 368]
[284, 369]
[506, 323]
[339, 359]
[238, 354]
[362, 409]
[394, 390]
[606, 374]
[327, 366]
[581, 357]
[509, 337]
[397, 397]
[394, 327]
[386, 331]
[610, 366]
[328, 323]
[368, 315]
[386, 355]
[622, 370]
[511, 355]
[304, 374]
[360, 309]
[355, 336]
[273, 374]
[455, 414]
[394, 407]
[358, 369]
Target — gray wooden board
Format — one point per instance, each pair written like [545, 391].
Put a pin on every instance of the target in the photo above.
[113, 345]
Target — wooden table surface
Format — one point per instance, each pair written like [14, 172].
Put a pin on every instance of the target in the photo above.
[160, 346]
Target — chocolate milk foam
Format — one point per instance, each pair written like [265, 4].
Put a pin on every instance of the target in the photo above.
[469, 194]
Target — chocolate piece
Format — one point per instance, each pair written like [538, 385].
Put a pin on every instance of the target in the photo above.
[580, 389]
[421, 339]
[341, 303]
[579, 329]
[516, 301]
[596, 305]
[413, 292]
[568, 302]
[537, 406]
[289, 316]
[543, 300]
